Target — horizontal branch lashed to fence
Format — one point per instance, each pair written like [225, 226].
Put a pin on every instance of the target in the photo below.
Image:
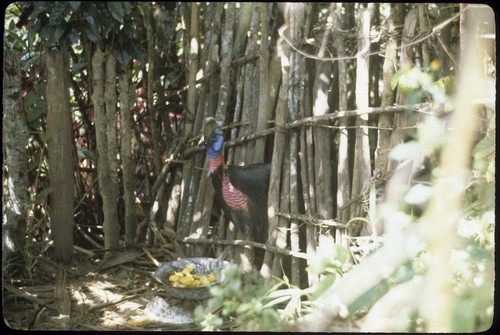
[263, 246]
[308, 121]
[313, 220]
[313, 120]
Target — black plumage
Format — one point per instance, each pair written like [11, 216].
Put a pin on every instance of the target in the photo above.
[241, 191]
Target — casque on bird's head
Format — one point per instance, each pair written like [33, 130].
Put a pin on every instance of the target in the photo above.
[212, 139]
[209, 127]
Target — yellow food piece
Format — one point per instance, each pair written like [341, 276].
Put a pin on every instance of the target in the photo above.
[204, 280]
[186, 279]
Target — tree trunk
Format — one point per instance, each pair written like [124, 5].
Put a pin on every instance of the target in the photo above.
[103, 119]
[263, 116]
[225, 89]
[245, 152]
[343, 171]
[205, 192]
[60, 156]
[296, 22]
[361, 171]
[153, 125]
[400, 120]
[188, 187]
[385, 119]
[423, 25]
[281, 263]
[273, 201]
[228, 49]
[15, 160]
[127, 128]
[306, 149]
[322, 144]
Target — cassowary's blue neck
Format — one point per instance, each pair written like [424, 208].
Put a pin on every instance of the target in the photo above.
[215, 153]
[233, 197]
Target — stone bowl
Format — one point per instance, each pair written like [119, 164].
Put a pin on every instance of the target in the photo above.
[201, 266]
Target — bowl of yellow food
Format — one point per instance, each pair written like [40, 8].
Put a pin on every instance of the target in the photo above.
[190, 278]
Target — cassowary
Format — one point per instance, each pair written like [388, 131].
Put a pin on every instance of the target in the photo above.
[241, 191]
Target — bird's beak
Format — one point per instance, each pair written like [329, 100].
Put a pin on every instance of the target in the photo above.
[201, 142]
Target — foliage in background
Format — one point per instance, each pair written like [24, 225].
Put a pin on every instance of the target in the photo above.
[238, 304]
[472, 260]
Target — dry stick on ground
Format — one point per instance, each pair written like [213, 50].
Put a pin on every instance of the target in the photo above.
[107, 304]
[25, 295]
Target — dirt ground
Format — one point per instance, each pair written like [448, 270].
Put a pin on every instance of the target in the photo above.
[92, 294]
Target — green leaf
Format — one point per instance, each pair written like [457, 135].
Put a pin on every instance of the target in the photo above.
[72, 35]
[39, 7]
[370, 296]
[122, 56]
[277, 300]
[30, 99]
[74, 4]
[56, 12]
[90, 19]
[447, 84]
[395, 80]
[419, 194]
[116, 10]
[323, 285]
[46, 32]
[56, 36]
[137, 51]
[44, 137]
[484, 148]
[86, 154]
[404, 151]
[318, 265]
[78, 66]
[92, 35]
[464, 316]
[34, 114]
[40, 197]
